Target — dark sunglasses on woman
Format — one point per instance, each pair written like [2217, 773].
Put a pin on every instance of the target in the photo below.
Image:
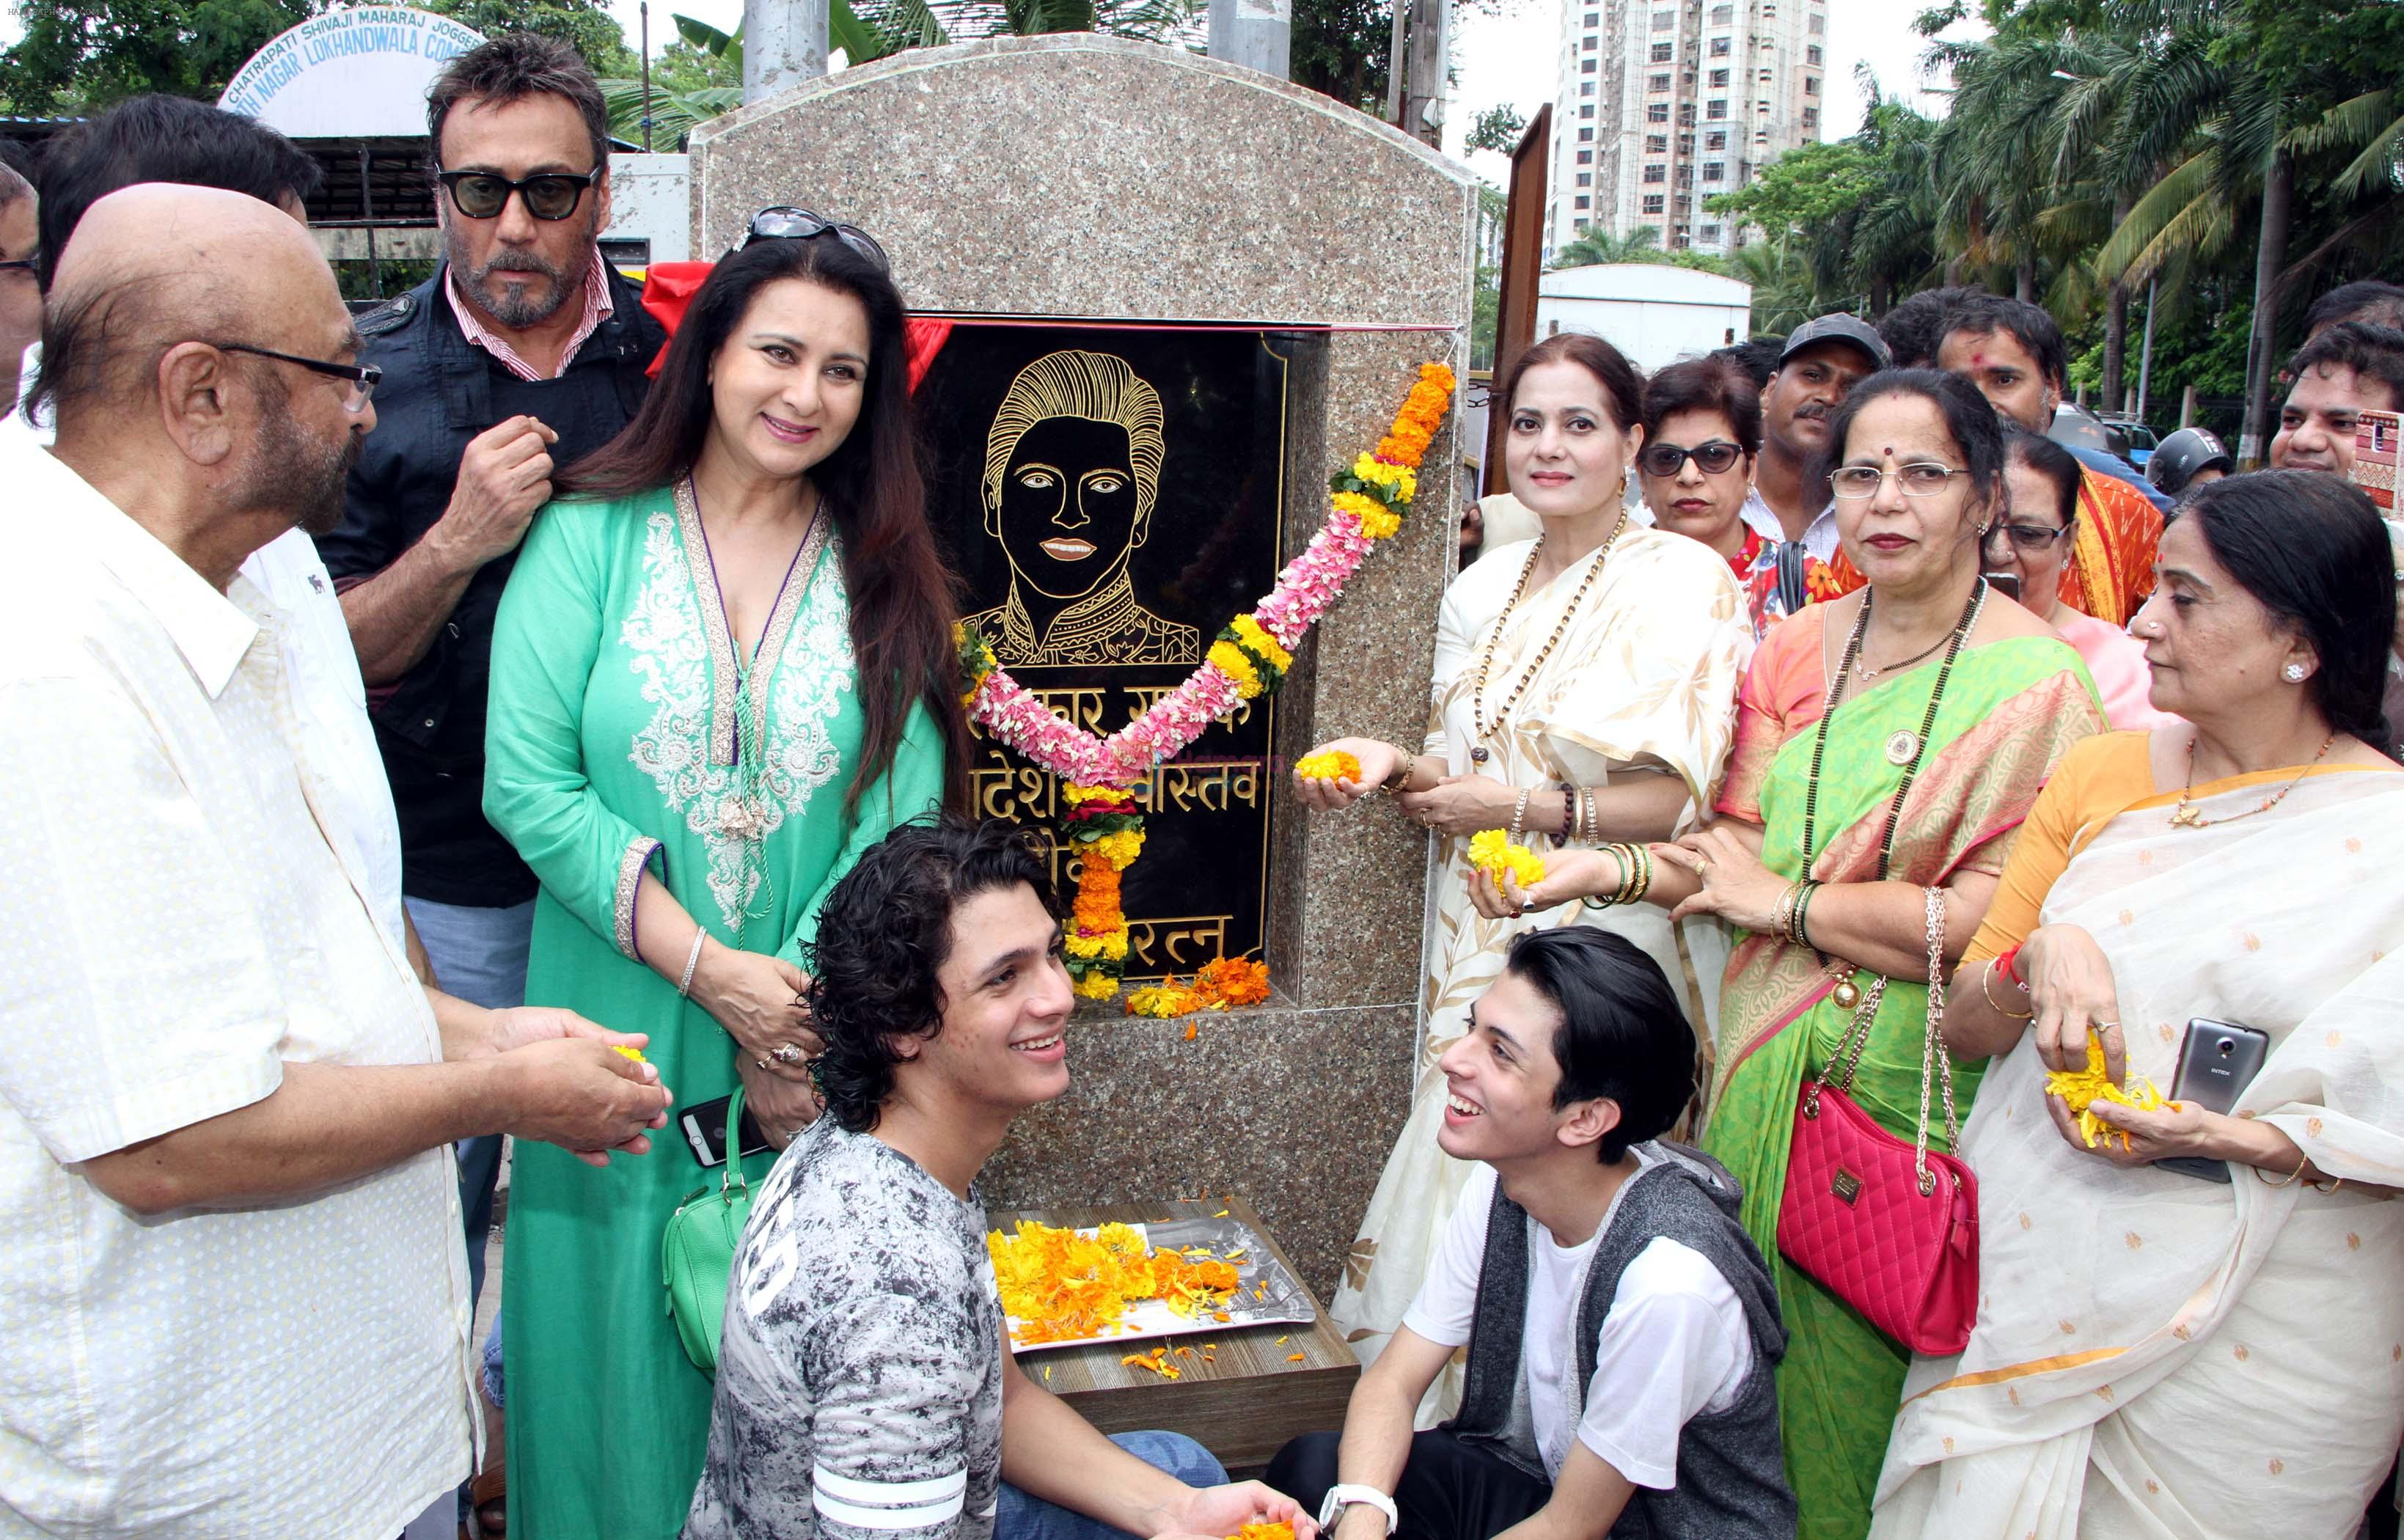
[784, 222]
[483, 194]
[1664, 460]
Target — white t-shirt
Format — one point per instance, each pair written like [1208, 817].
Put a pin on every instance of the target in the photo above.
[1675, 1343]
[323, 667]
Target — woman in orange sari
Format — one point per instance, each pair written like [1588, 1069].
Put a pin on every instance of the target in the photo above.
[1888, 743]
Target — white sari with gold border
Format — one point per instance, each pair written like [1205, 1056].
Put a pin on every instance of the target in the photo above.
[1642, 681]
[2158, 1356]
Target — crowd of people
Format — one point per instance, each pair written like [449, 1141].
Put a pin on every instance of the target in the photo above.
[495, 716]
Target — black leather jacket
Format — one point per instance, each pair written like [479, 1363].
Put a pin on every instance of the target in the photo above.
[439, 391]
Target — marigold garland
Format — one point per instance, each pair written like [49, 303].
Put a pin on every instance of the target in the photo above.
[1220, 984]
[1248, 658]
[2081, 1089]
[1062, 1286]
[1491, 852]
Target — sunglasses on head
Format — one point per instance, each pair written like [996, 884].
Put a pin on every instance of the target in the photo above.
[1664, 460]
[785, 223]
[483, 194]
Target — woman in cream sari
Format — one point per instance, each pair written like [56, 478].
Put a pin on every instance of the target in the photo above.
[2158, 1355]
[1584, 689]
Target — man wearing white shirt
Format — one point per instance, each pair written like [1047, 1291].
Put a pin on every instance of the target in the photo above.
[235, 1293]
[1622, 1330]
[169, 139]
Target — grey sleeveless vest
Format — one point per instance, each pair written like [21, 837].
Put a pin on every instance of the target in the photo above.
[1731, 1471]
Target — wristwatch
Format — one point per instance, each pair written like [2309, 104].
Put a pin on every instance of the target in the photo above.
[1344, 1494]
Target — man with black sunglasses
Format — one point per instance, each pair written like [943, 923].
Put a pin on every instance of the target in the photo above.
[522, 353]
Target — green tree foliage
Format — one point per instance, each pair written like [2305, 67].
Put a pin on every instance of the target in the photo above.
[1498, 129]
[1341, 49]
[585, 25]
[78, 55]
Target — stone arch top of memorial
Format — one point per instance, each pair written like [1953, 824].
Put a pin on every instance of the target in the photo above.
[1081, 176]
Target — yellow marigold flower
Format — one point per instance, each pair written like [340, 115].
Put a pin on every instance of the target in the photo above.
[1249, 630]
[1335, 765]
[1381, 523]
[1370, 469]
[635, 1054]
[1360, 506]
[1491, 851]
[2080, 1089]
[1074, 794]
[1231, 662]
[1118, 850]
[1095, 986]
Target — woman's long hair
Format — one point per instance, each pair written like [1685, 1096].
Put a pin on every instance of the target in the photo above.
[902, 597]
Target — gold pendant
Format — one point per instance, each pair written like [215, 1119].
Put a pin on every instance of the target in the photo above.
[1903, 747]
[2185, 817]
[1847, 994]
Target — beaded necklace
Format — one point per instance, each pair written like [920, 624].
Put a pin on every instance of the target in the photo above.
[1478, 751]
[1905, 748]
[2185, 817]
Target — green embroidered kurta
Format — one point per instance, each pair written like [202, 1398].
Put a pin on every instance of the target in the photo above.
[625, 737]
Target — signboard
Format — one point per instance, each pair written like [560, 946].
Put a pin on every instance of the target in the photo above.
[1113, 496]
[349, 74]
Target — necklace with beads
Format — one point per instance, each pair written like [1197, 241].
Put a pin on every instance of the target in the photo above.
[1478, 751]
[2185, 817]
[1905, 748]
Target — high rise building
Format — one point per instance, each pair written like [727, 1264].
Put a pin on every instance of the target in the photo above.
[1663, 103]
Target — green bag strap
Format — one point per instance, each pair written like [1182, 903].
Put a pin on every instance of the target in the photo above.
[733, 1179]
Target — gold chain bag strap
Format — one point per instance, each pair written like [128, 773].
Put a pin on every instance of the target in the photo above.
[1889, 1227]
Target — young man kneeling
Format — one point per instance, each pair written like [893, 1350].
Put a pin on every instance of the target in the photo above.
[1623, 1332]
[864, 1392]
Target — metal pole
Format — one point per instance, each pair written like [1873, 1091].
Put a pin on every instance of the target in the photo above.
[645, 11]
[2146, 359]
[367, 212]
[1395, 67]
[1255, 34]
[784, 44]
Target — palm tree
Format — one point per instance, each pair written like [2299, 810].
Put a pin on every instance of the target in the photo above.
[1641, 244]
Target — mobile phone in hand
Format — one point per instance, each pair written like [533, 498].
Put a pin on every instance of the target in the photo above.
[2218, 1060]
[704, 1131]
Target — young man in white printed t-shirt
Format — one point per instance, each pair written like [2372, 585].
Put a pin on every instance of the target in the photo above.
[1622, 1330]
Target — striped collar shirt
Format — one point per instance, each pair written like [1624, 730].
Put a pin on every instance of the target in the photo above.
[597, 308]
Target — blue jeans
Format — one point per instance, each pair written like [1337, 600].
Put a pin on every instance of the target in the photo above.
[1019, 1517]
[479, 955]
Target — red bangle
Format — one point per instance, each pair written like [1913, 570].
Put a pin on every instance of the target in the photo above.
[2003, 961]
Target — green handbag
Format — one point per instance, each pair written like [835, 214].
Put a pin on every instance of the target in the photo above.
[697, 1249]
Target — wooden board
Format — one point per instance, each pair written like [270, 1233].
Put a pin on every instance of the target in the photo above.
[1243, 1402]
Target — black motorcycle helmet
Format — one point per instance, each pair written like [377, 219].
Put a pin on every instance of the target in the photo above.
[2178, 457]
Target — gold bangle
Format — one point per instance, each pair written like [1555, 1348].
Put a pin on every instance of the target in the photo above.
[1987, 988]
[1592, 901]
[2290, 1177]
[2335, 1183]
[1407, 764]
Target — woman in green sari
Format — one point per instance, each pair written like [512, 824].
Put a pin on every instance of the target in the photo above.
[1886, 743]
[723, 669]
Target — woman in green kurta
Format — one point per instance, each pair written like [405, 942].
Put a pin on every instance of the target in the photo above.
[2012, 701]
[721, 671]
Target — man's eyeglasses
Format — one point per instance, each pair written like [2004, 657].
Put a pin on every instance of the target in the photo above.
[784, 222]
[1921, 479]
[483, 194]
[2031, 538]
[362, 377]
[1667, 461]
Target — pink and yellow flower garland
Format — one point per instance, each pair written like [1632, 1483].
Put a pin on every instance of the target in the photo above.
[1248, 658]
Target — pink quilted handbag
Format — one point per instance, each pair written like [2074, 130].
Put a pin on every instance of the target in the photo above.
[1887, 1226]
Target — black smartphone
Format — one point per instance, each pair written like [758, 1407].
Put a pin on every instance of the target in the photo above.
[2218, 1060]
[2006, 584]
[704, 1131]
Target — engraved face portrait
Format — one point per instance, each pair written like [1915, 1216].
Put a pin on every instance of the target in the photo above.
[1071, 478]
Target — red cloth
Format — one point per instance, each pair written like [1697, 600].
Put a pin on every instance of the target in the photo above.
[669, 288]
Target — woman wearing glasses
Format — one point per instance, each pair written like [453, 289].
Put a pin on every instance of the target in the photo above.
[1887, 745]
[723, 668]
[1702, 428]
[1582, 688]
[2031, 543]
